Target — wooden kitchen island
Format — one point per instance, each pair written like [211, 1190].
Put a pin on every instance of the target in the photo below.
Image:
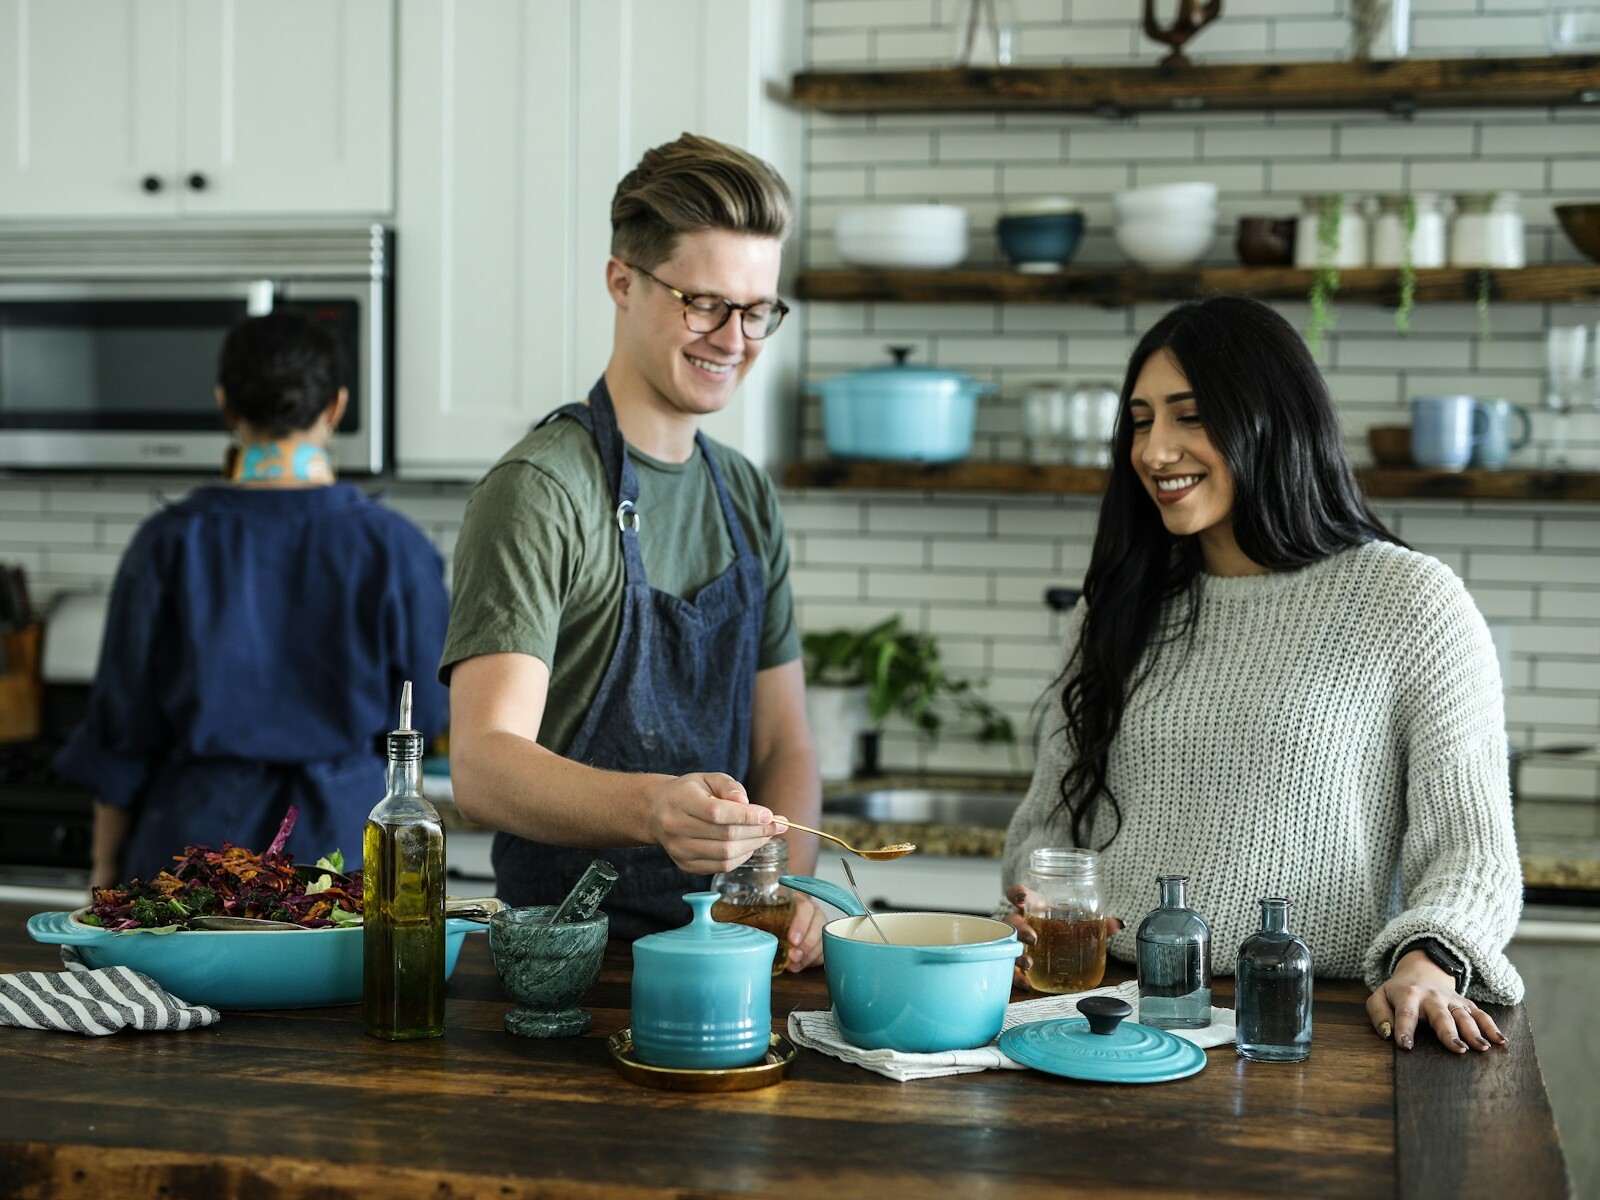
[300, 1103]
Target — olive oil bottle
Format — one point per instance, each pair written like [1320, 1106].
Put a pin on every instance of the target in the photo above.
[402, 980]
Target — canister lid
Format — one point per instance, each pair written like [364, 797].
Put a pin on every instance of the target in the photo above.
[702, 935]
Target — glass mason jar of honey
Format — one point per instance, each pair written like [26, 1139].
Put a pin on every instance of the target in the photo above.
[750, 894]
[1067, 911]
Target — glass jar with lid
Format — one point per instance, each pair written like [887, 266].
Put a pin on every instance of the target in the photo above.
[750, 894]
[1066, 908]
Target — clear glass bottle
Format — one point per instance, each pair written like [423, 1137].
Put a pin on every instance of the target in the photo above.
[750, 894]
[402, 980]
[1067, 911]
[1174, 962]
[1272, 990]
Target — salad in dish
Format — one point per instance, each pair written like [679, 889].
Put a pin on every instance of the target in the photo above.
[233, 882]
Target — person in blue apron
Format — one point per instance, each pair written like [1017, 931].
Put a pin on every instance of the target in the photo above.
[258, 634]
[623, 661]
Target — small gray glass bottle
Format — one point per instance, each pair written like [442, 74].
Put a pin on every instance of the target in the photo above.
[1174, 962]
[1272, 989]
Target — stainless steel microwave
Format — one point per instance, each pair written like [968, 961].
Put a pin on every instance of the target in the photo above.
[109, 338]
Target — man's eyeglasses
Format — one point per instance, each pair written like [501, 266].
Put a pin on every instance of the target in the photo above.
[707, 314]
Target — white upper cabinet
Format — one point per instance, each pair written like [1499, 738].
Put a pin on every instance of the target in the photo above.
[516, 122]
[160, 108]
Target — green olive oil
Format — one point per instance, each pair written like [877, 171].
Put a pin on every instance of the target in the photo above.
[402, 984]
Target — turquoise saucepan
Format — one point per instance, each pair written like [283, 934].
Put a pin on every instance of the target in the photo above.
[290, 968]
[941, 983]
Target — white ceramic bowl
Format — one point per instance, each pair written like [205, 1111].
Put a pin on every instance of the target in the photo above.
[1166, 241]
[1164, 199]
[902, 235]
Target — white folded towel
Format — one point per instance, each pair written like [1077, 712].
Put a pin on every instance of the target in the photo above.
[94, 1001]
[819, 1031]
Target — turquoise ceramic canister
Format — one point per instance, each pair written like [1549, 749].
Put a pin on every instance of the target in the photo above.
[702, 994]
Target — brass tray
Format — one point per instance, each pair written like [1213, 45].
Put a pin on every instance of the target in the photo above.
[770, 1070]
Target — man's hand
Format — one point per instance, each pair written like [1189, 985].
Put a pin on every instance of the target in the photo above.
[706, 823]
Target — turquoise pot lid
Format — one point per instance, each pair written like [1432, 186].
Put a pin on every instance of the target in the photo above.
[1127, 1053]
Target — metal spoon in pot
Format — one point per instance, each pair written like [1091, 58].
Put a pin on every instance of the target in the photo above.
[851, 876]
[898, 850]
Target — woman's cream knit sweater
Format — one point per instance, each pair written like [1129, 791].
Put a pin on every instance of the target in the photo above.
[1334, 735]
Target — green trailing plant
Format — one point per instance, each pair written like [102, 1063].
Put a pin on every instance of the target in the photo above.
[902, 673]
[1325, 280]
[1408, 270]
[1485, 285]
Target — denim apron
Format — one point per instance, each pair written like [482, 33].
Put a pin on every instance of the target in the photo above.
[675, 699]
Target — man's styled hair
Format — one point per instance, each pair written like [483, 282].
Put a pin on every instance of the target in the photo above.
[690, 185]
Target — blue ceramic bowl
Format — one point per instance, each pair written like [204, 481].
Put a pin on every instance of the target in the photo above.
[287, 968]
[702, 994]
[1040, 241]
[941, 983]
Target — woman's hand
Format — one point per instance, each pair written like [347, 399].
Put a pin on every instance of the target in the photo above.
[805, 935]
[1420, 989]
[1019, 895]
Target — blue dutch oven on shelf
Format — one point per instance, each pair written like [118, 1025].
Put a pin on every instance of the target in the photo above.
[900, 412]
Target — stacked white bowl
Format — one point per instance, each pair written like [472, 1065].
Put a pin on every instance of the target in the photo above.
[1166, 225]
[902, 235]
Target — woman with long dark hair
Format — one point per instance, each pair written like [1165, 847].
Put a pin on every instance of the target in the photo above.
[1266, 690]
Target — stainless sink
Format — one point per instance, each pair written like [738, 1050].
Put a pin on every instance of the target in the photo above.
[927, 806]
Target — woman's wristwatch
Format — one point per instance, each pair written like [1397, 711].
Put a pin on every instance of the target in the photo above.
[1440, 956]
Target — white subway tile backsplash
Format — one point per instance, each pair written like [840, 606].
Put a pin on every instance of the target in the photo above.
[1550, 566]
[1402, 140]
[816, 549]
[872, 14]
[1564, 605]
[1000, 146]
[1129, 142]
[1432, 35]
[920, 587]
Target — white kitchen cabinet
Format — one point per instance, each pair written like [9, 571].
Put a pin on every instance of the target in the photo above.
[516, 121]
[163, 108]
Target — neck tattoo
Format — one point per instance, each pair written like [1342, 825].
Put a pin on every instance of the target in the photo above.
[288, 459]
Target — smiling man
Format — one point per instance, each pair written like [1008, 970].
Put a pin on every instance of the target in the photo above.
[623, 662]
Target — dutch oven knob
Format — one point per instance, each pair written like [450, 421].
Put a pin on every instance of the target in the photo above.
[1104, 1013]
[901, 353]
[198, 182]
[151, 183]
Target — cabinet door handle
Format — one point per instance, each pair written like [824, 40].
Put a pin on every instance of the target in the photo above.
[198, 182]
[151, 184]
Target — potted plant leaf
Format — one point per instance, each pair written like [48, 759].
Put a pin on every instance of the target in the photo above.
[855, 678]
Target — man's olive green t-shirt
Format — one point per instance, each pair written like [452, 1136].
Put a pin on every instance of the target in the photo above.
[538, 565]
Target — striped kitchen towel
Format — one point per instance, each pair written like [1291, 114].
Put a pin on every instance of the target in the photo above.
[94, 1001]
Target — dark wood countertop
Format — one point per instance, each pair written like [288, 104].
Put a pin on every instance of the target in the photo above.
[301, 1103]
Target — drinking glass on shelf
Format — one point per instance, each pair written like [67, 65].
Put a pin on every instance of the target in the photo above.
[1566, 350]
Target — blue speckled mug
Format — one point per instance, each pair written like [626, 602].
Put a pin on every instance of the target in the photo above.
[702, 995]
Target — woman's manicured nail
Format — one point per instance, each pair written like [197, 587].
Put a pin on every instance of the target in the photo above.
[1460, 1045]
[1404, 1041]
[1386, 1031]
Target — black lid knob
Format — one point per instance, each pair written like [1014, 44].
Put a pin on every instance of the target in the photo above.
[1104, 1013]
[198, 182]
[151, 183]
[901, 353]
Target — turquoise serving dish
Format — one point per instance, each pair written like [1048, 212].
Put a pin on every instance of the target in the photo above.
[270, 968]
[941, 984]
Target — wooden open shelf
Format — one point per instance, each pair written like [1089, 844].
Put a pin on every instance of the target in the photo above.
[1400, 86]
[1379, 482]
[1117, 286]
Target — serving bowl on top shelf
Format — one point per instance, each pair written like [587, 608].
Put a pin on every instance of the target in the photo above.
[236, 969]
[928, 236]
